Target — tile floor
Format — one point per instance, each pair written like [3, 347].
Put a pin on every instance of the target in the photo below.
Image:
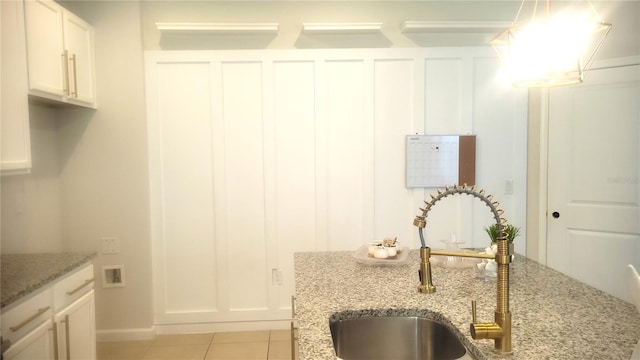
[242, 345]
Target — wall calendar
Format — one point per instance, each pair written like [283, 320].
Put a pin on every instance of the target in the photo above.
[439, 160]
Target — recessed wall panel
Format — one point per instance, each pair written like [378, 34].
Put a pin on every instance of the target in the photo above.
[244, 186]
[492, 119]
[394, 87]
[344, 110]
[187, 188]
[294, 117]
[443, 96]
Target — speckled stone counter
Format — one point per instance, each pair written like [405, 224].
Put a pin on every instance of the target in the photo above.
[24, 274]
[554, 316]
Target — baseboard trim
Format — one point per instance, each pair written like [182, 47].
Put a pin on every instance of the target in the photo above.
[125, 334]
[199, 328]
[166, 329]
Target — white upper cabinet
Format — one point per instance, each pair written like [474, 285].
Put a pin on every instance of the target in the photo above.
[78, 37]
[60, 54]
[14, 107]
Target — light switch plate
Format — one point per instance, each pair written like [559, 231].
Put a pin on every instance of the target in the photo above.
[110, 245]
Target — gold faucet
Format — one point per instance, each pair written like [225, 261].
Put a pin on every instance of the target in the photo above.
[500, 329]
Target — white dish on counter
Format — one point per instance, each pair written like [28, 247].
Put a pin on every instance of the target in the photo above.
[362, 256]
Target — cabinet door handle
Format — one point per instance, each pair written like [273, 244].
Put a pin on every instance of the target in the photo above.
[86, 282]
[66, 333]
[30, 319]
[55, 341]
[75, 78]
[65, 69]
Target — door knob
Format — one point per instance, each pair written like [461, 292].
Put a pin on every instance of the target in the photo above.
[555, 214]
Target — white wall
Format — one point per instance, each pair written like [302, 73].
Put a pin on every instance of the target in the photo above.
[31, 216]
[102, 181]
[103, 160]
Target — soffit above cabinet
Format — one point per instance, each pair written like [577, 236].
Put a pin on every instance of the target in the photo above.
[452, 33]
[493, 27]
[342, 28]
[218, 28]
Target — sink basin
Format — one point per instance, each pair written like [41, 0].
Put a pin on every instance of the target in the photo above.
[394, 337]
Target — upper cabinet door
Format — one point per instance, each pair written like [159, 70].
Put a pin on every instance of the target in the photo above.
[78, 41]
[45, 49]
[15, 149]
[60, 54]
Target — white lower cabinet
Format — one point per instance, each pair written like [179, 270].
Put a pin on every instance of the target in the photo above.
[56, 323]
[39, 344]
[77, 330]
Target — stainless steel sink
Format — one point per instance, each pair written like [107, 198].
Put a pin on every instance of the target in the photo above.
[394, 338]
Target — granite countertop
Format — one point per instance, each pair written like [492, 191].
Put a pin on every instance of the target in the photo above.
[24, 274]
[553, 316]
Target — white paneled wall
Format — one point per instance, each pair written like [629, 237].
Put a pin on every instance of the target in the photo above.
[255, 155]
[394, 102]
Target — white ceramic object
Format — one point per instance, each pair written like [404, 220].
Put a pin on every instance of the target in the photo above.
[402, 257]
[391, 251]
[380, 253]
[372, 248]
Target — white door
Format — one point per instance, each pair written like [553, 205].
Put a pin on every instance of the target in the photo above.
[594, 187]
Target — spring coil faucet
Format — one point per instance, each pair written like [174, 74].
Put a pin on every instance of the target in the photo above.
[500, 329]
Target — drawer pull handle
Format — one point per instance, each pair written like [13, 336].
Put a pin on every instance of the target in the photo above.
[30, 319]
[65, 65]
[86, 282]
[74, 93]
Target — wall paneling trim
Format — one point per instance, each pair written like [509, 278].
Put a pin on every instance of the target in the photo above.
[255, 155]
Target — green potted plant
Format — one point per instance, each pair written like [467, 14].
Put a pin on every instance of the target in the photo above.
[512, 232]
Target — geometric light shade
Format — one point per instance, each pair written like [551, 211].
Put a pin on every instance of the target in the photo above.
[552, 51]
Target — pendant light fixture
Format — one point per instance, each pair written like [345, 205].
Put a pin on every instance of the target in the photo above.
[551, 50]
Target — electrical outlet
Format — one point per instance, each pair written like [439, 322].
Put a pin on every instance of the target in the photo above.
[110, 245]
[276, 277]
[508, 186]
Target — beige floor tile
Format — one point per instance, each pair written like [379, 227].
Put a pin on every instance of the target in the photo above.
[280, 335]
[240, 336]
[240, 351]
[280, 350]
[183, 339]
[122, 350]
[176, 352]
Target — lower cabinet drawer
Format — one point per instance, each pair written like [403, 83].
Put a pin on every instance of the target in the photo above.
[73, 287]
[38, 344]
[20, 320]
